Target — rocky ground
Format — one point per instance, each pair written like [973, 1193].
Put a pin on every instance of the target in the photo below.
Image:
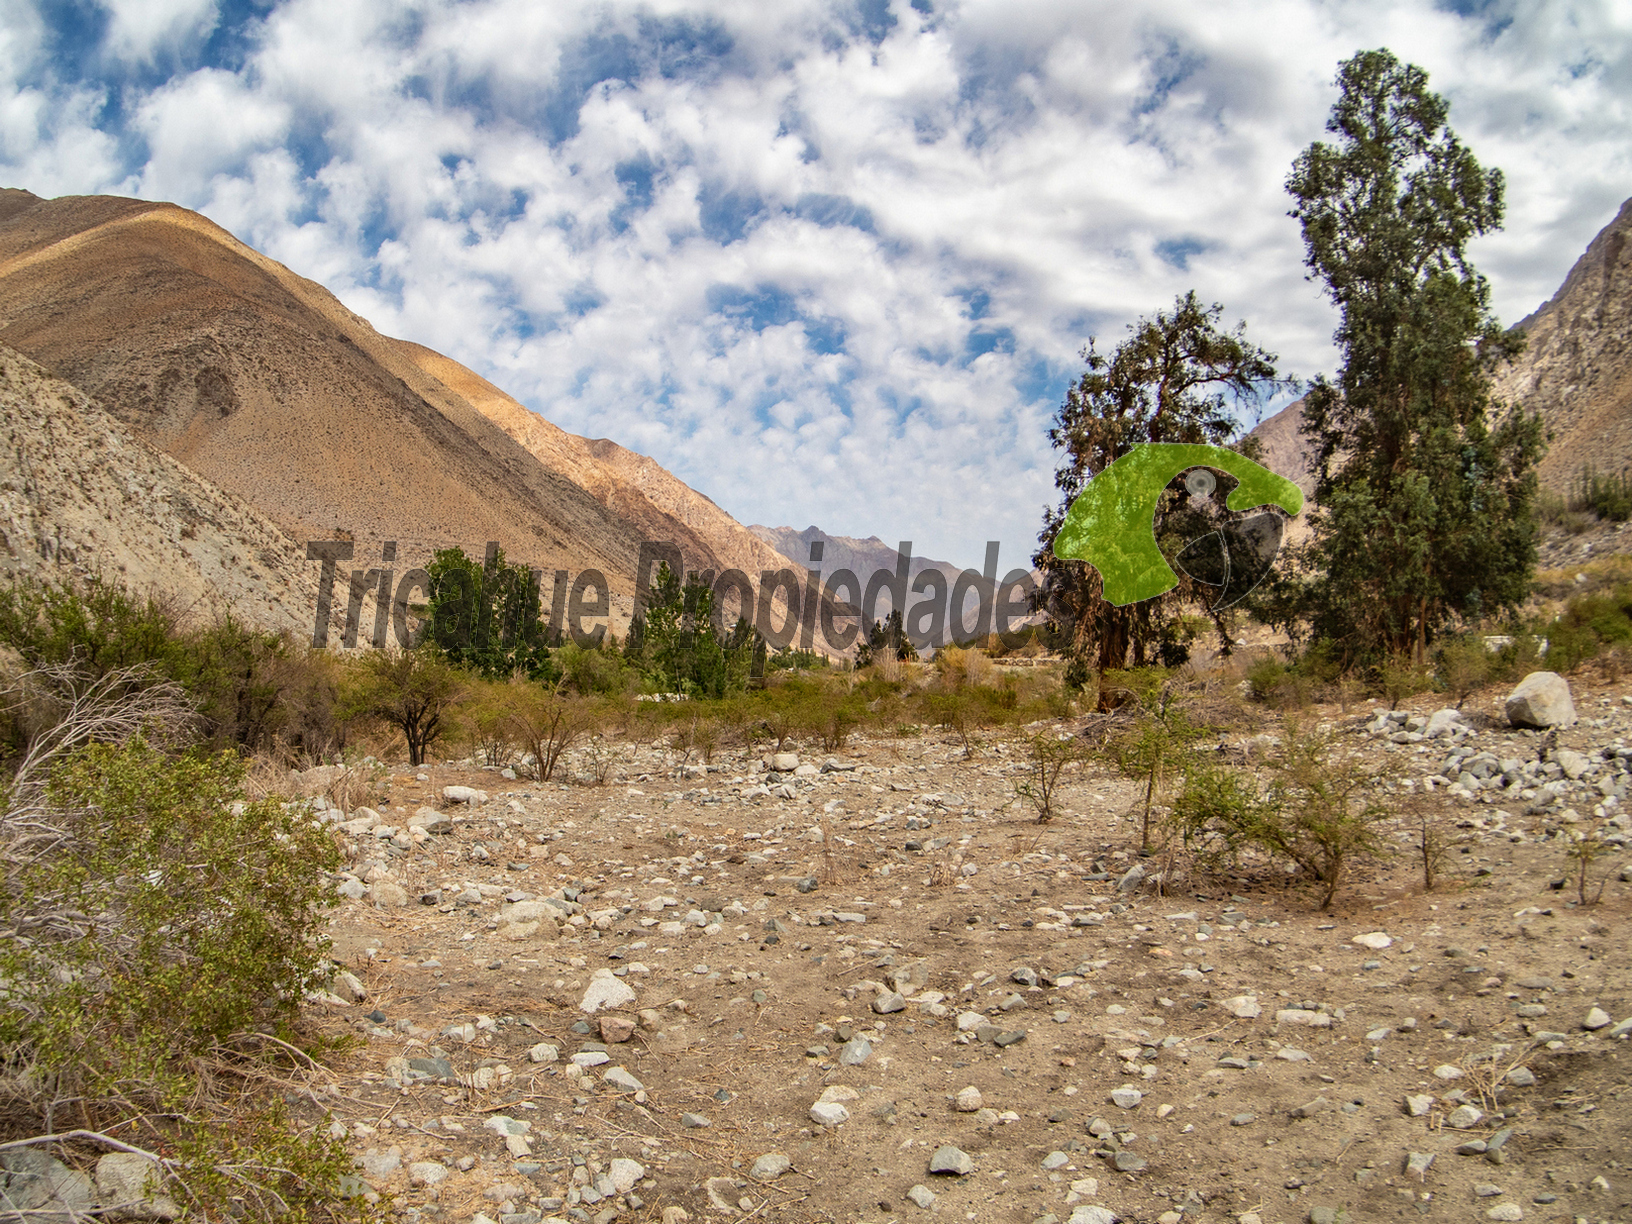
[872, 988]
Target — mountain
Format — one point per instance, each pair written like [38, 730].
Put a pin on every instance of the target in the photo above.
[264, 384]
[80, 496]
[1577, 368]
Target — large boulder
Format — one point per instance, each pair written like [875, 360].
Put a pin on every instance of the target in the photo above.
[1541, 700]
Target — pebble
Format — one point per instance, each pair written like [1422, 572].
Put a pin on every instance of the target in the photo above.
[948, 1159]
[605, 991]
[968, 1100]
[1126, 1097]
[1505, 1211]
[1088, 1213]
[1244, 1007]
[829, 1113]
[1596, 1019]
[1418, 1162]
[769, 1167]
[1464, 1117]
[1129, 1162]
[889, 1002]
[922, 1196]
[855, 1052]
[1375, 940]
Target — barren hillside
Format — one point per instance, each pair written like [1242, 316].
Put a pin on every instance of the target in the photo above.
[80, 497]
[262, 382]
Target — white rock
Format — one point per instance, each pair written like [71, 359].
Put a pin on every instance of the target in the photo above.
[605, 991]
[463, 794]
[544, 1052]
[625, 1173]
[1299, 1018]
[1126, 1097]
[1464, 1117]
[1596, 1019]
[1243, 1007]
[968, 1100]
[620, 1079]
[1375, 940]
[969, 1021]
[829, 1113]
[1088, 1213]
[1505, 1211]
[427, 1172]
[1542, 699]
[1447, 1072]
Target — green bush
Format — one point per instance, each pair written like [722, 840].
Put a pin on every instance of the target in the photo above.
[1317, 809]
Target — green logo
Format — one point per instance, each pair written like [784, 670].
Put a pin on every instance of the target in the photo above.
[1112, 525]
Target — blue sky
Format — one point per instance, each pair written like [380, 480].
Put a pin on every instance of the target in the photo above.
[832, 262]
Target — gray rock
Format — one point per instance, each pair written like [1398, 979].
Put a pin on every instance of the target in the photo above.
[1126, 1097]
[376, 1162]
[1571, 762]
[1597, 1018]
[769, 1167]
[948, 1159]
[1542, 699]
[1419, 1163]
[692, 1121]
[33, 1182]
[1129, 1162]
[855, 1052]
[1132, 879]
[922, 1196]
[1310, 1108]
[829, 1113]
[1088, 1213]
[889, 1002]
[1521, 1077]
[1505, 1211]
[463, 794]
[1464, 1117]
[621, 1080]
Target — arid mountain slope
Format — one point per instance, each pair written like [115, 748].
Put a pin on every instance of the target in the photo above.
[1577, 368]
[79, 496]
[262, 382]
[637, 489]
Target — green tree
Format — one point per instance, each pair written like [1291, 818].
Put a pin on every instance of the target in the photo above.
[413, 690]
[676, 643]
[486, 616]
[1425, 504]
[1173, 380]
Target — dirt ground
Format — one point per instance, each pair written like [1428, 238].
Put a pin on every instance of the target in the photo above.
[1272, 1055]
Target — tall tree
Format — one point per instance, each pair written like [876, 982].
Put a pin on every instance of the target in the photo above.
[1173, 380]
[486, 616]
[1425, 503]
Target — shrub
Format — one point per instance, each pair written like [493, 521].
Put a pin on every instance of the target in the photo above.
[1462, 664]
[1318, 810]
[545, 723]
[1153, 751]
[412, 690]
[1046, 760]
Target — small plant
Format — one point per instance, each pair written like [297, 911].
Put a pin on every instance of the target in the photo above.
[1463, 665]
[1433, 836]
[1046, 762]
[1154, 751]
[599, 762]
[545, 722]
[955, 710]
[1585, 849]
[1399, 677]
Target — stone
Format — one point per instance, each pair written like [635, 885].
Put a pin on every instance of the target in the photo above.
[1542, 699]
[889, 1002]
[1303, 1019]
[855, 1052]
[1419, 1163]
[921, 1196]
[1244, 1007]
[1129, 1162]
[784, 762]
[693, 1121]
[431, 820]
[1126, 1097]
[1571, 762]
[427, 1173]
[544, 1052]
[616, 1029]
[605, 991]
[1521, 1077]
[463, 794]
[769, 1167]
[948, 1159]
[1443, 722]
[968, 1100]
[122, 1176]
[969, 1021]
[1088, 1213]
[625, 1173]
[1418, 1105]
[1448, 1073]
[1597, 1018]
[388, 895]
[829, 1113]
[620, 1079]
[1485, 1190]
[1310, 1108]
[1464, 1117]
[1375, 940]
[1505, 1211]
[377, 1162]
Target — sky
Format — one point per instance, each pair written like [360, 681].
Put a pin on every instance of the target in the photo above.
[830, 262]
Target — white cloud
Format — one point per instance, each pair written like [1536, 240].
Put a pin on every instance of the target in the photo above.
[760, 246]
[140, 29]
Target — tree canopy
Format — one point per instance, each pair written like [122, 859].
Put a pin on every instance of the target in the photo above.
[1425, 500]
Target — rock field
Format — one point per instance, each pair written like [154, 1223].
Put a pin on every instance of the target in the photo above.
[869, 987]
